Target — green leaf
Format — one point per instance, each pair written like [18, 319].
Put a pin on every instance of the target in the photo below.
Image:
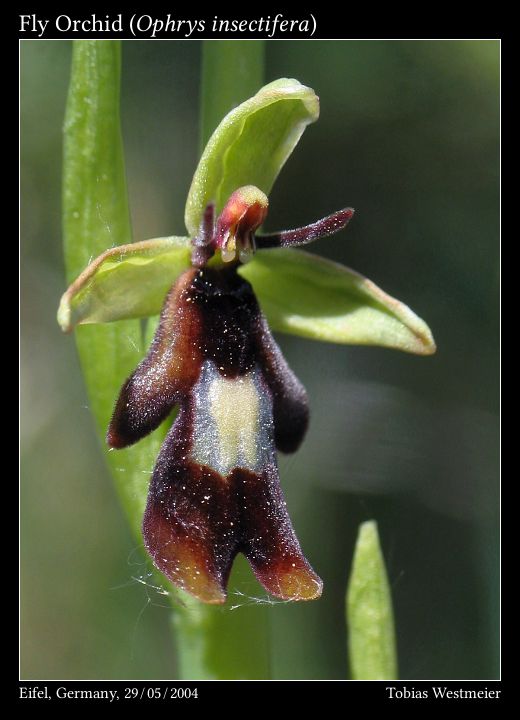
[127, 281]
[95, 209]
[306, 295]
[370, 622]
[251, 145]
[95, 215]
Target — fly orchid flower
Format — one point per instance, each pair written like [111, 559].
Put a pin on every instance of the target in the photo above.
[215, 489]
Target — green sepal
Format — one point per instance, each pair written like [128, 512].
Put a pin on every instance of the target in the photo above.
[250, 146]
[128, 281]
[307, 295]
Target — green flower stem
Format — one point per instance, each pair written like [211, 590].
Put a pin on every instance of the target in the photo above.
[370, 621]
[215, 642]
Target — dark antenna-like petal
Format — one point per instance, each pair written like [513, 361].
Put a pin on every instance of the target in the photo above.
[203, 248]
[304, 235]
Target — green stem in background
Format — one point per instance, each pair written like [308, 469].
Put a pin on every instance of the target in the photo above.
[219, 642]
[232, 71]
[370, 621]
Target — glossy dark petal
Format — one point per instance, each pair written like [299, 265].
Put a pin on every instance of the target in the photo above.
[304, 235]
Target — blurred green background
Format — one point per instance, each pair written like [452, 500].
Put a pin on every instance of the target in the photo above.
[409, 136]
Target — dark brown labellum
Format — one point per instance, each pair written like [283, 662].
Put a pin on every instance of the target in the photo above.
[215, 489]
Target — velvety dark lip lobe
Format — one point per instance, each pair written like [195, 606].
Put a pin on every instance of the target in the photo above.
[194, 527]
